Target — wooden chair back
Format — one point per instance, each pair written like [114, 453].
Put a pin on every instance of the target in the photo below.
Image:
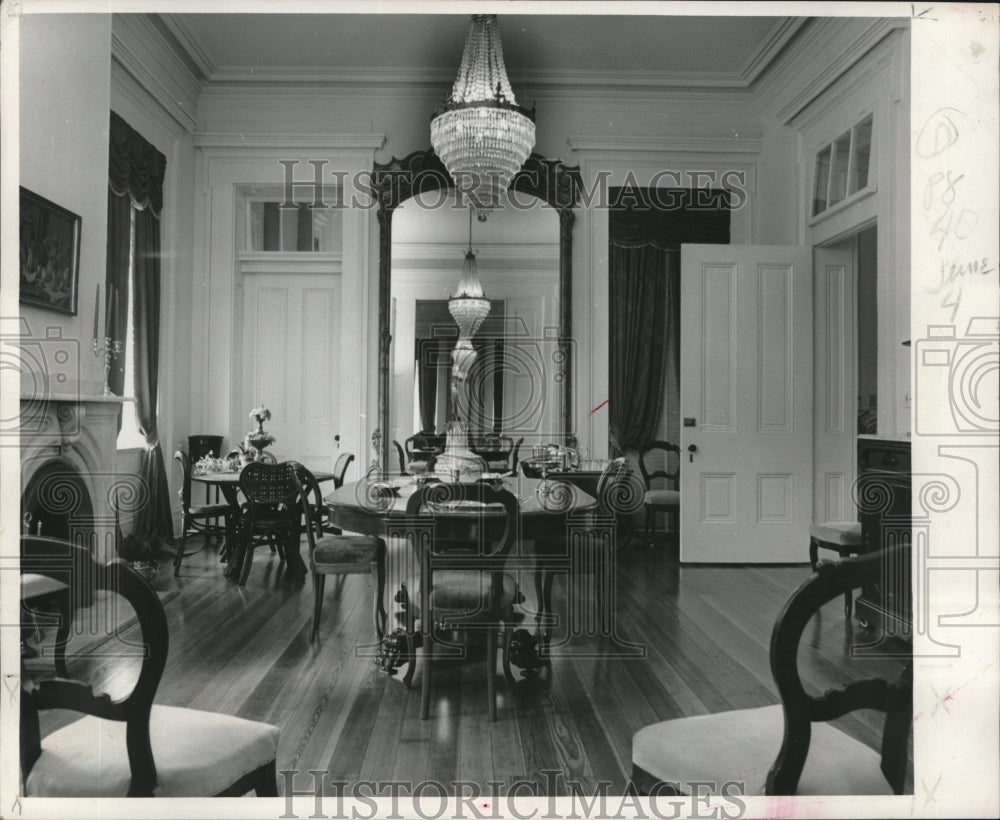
[340, 469]
[182, 458]
[801, 709]
[660, 460]
[487, 551]
[74, 566]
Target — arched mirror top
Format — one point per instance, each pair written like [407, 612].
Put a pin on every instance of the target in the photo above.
[423, 173]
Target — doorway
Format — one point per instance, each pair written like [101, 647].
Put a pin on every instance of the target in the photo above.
[845, 367]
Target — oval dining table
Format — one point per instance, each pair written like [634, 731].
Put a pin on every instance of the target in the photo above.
[546, 508]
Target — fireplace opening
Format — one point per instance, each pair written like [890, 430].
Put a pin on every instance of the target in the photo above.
[56, 504]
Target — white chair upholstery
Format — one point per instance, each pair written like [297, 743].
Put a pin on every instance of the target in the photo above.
[845, 533]
[33, 585]
[741, 746]
[663, 498]
[197, 754]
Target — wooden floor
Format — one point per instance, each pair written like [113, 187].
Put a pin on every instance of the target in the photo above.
[686, 640]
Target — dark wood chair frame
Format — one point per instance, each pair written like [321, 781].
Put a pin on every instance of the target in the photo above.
[649, 476]
[194, 519]
[312, 513]
[271, 513]
[488, 553]
[74, 566]
[400, 457]
[801, 709]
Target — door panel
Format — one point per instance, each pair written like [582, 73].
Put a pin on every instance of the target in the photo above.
[835, 418]
[746, 380]
[291, 331]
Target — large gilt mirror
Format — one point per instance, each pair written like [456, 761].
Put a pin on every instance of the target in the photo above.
[520, 385]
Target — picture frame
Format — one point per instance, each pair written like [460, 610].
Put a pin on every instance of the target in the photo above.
[50, 254]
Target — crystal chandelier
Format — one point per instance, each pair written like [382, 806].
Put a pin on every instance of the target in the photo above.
[482, 135]
[469, 306]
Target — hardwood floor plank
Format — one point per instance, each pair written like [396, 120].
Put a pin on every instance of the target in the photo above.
[705, 631]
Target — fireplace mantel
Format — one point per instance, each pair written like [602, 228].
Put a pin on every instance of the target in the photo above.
[79, 431]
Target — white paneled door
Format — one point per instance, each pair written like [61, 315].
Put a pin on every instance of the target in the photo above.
[746, 403]
[290, 360]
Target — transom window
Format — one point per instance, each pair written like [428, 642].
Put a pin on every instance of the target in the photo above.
[842, 168]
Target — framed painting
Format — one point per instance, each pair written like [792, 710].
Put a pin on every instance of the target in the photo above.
[50, 254]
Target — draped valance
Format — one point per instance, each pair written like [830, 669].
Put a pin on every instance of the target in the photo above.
[666, 218]
[136, 168]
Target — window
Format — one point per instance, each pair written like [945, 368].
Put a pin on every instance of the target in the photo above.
[129, 437]
[299, 227]
[842, 168]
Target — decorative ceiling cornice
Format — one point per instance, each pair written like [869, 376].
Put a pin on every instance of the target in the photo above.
[672, 145]
[541, 81]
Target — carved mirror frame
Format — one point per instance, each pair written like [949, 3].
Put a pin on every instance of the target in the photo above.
[422, 172]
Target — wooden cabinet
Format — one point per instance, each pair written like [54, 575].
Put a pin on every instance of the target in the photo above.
[884, 481]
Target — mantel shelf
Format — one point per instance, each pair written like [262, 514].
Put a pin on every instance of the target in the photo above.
[75, 398]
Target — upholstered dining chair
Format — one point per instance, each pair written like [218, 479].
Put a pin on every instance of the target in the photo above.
[338, 554]
[271, 514]
[126, 745]
[598, 535]
[195, 517]
[655, 460]
[789, 748]
[420, 453]
[460, 585]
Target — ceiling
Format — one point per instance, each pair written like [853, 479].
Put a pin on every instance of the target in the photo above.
[672, 49]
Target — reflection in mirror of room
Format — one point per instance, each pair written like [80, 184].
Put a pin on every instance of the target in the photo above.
[517, 251]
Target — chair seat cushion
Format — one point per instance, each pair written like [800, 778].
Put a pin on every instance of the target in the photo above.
[340, 550]
[462, 590]
[33, 585]
[663, 498]
[210, 510]
[197, 754]
[845, 533]
[742, 745]
[498, 465]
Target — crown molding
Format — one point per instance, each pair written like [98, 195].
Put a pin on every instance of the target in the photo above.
[144, 53]
[196, 50]
[612, 143]
[438, 80]
[816, 36]
[367, 142]
[767, 51]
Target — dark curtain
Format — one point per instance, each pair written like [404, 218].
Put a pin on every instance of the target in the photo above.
[154, 517]
[116, 287]
[645, 233]
[135, 178]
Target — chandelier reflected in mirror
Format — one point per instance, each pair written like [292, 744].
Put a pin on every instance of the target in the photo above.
[468, 307]
[481, 134]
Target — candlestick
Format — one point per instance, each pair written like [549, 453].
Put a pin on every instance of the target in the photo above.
[97, 308]
[111, 349]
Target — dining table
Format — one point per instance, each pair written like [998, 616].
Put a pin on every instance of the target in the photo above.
[228, 483]
[548, 511]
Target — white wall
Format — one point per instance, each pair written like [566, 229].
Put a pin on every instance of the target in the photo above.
[64, 104]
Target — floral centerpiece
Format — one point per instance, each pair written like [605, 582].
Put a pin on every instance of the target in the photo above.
[259, 439]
